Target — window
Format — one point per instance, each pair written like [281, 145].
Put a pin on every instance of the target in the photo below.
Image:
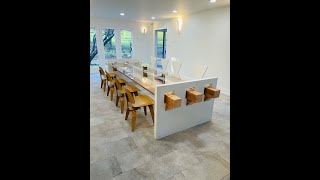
[109, 43]
[126, 43]
[93, 47]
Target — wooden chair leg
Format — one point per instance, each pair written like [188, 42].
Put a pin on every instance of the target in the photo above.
[108, 91]
[104, 85]
[121, 103]
[133, 120]
[127, 113]
[112, 91]
[145, 110]
[152, 113]
[117, 100]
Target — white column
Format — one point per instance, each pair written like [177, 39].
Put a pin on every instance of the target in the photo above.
[118, 44]
[100, 47]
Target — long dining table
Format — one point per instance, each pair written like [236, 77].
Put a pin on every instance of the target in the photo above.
[183, 116]
[148, 79]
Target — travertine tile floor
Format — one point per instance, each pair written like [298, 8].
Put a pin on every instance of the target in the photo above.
[201, 152]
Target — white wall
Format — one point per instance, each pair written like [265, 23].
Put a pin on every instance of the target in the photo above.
[204, 39]
[142, 44]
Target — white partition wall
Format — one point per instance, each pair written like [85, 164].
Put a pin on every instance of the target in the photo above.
[184, 117]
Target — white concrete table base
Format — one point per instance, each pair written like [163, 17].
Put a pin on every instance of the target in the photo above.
[186, 116]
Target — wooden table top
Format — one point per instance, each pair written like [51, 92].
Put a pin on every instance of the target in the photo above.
[131, 88]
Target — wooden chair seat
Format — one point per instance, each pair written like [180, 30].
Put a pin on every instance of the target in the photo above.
[131, 89]
[142, 100]
[112, 75]
[121, 81]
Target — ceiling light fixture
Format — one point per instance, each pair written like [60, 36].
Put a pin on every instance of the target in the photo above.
[174, 11]
[152, 17]
[122, 14]
[212, 1]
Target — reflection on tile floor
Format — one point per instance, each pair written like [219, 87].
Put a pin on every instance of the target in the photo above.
[201, 152]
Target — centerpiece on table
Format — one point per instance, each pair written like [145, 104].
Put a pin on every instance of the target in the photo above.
[145, 68]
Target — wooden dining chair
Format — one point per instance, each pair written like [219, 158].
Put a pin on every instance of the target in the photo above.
[120, 92]
[112, 75]
[103, 79]
[136, 102]
[111, 85]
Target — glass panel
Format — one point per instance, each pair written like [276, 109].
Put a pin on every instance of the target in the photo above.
[93, 48]
[126, 43]
[109, 43]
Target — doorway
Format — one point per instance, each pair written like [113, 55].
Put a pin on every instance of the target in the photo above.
[160, 48]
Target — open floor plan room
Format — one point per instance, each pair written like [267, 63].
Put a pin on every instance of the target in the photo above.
[160, 89]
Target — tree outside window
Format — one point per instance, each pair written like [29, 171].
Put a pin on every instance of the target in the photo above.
[126, 43]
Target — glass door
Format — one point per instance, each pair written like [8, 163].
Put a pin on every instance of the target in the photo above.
[160, 47]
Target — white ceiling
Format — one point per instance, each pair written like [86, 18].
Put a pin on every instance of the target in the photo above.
[143, 10]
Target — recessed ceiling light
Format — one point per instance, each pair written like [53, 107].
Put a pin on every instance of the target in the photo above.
[212, 1]
[152, 17]
[122, 14]
[174, 11]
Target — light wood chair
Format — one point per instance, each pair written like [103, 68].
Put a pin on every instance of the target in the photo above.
[120, 92]
[111, 81]
[103, 79]
[136, 102]
[111, 85]
[112, 75]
